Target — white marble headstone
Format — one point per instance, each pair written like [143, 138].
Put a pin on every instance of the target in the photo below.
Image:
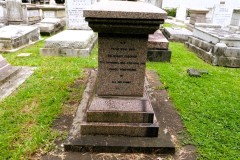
[181, 13]
[1, 13]
[14, 10]
[222, 15]
[235, 21]
[74, 12]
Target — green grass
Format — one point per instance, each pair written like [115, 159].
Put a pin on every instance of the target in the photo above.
[209, 106]
[172, 25]
[167, 25]
[26, 116]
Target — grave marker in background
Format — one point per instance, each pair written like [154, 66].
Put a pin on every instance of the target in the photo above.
[198, 16]
[222, 15]
[74, 14]
[78, 40]
[235, 21]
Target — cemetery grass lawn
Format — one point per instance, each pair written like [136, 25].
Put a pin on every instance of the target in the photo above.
[209, 106]
[26, 116]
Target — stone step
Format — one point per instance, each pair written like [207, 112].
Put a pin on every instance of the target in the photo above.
[5, 68]
[3, 62]
[120, 110]
[157, 41]
[120, 144]
[124, 129]
[5, 75]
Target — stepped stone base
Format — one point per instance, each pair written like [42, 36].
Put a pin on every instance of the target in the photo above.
[72, 43]
[125, 110]
[11, 77]
[158, 48]
[14, 37]
[216, 46]
[106, 137]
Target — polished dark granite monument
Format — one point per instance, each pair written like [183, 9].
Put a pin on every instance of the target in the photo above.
[118, 110]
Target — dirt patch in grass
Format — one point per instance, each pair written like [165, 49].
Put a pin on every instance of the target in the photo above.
[170, 115]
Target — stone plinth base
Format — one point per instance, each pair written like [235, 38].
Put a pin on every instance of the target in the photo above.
[120, 110]
[14, 37]
[214, 54]
[72, 43]
[158, 48]
[125, 116]
[177, 34]
[110, 140]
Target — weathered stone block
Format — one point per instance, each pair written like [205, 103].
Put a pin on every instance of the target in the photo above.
[177, 34]
[120, 110]
[159, 55]
[70, 43]
[15, 37]
[124, 129]
[157, 41]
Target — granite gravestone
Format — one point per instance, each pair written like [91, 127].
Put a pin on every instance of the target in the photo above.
[123, 29]
[122, 48]
[74, 14]
[158, 48]
[120, 105]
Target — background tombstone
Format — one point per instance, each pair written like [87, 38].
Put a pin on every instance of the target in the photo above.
[78, 39]
[53, 11]
[3, 13]
[16, 12]
[181, 13]
[14, 37]
[222, 14]
[235, 21]
[157, 3]
[216, 46]
[74, 14]
[198, 16]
